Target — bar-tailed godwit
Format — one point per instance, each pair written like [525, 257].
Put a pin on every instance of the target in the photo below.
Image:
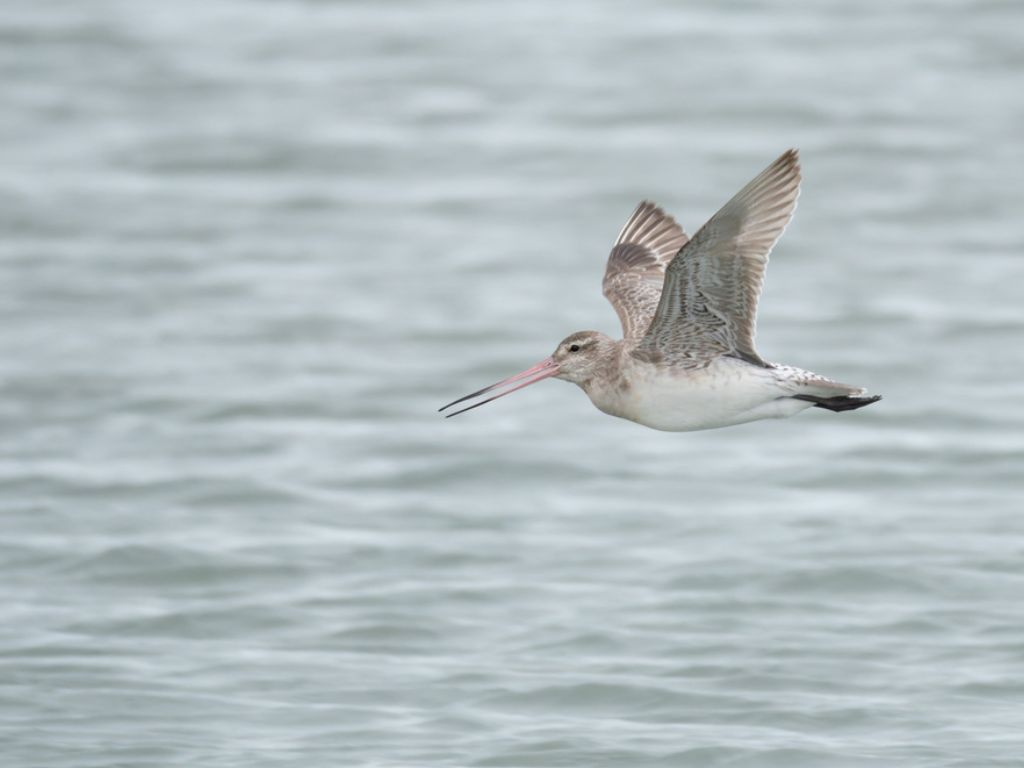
[688, 307]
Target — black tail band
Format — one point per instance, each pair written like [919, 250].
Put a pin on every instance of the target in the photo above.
[839, 403]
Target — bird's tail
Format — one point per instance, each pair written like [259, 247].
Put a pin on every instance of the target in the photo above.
[839, 402]
[822, 391]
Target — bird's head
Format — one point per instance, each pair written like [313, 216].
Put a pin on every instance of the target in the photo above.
[577, 358]
[580, 356]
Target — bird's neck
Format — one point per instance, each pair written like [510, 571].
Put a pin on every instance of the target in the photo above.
[607, 381]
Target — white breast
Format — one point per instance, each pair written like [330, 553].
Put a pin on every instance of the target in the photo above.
[728, 391]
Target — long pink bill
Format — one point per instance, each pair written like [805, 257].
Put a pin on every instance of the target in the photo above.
[543, 370]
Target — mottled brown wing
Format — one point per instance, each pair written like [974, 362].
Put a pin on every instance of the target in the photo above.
[708, 306]
[636, 266]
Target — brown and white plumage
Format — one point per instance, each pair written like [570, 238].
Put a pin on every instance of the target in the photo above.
[688, 309]
[709, 303]
[635, 273]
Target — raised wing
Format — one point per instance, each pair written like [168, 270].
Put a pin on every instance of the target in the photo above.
[636, 266]
[708, 306]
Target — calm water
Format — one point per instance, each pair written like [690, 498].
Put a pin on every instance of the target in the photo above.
[250, 247]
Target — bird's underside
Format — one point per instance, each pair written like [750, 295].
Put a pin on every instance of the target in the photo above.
[688, 308]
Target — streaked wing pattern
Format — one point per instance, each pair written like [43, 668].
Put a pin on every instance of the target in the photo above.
[708, 306]
[635, 273]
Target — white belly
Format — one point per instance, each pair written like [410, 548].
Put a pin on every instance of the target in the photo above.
[726, 392]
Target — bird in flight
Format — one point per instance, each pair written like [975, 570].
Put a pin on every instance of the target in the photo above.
[687, 360]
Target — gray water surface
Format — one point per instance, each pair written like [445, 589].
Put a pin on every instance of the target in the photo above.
[250, 247]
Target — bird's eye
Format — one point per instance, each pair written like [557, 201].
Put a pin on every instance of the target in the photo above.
[574, 348]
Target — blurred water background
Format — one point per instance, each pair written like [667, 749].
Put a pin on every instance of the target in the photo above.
[248, 248]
